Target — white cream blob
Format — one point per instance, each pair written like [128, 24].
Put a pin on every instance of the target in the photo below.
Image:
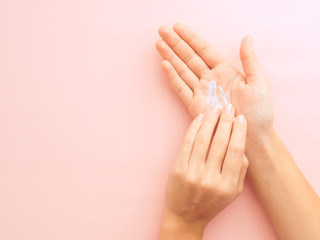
[216, 95]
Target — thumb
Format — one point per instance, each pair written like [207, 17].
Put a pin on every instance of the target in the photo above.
[249, 60]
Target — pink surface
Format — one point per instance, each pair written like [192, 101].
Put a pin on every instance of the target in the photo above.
[89, 126]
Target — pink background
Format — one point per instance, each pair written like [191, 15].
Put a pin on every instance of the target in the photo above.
[89, 125]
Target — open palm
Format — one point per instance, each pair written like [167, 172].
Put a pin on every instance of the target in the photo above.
[191, 62]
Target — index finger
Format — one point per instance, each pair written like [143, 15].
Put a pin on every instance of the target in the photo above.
[235, 152]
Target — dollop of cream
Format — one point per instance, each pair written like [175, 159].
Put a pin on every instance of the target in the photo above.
[215, 95]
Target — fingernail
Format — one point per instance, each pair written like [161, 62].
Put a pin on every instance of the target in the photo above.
[228, 108]
[200, 117]
[241, 119]
[215, 109]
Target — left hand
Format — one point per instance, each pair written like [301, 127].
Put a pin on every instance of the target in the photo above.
[191, 62]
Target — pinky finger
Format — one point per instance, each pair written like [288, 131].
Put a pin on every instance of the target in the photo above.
[178, 85]
[187, 145]
[243, 171]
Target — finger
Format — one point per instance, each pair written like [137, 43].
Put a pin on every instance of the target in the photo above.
[249, 60]
[234, 156]
[203, 138]
[243, 172]
[209, 55]
[186, 148]
[181, 68]
[220, 140]
[178, 85]
[184, 51]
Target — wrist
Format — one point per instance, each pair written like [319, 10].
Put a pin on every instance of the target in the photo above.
[260, 147]
[259, 141]
[175, 227]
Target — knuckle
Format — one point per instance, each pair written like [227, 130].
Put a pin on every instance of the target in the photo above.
[226, 118]
[172, 58]
[179, 89]
[220, 141]
[172, 80]
[188, 141]
[201, 139]
[176, 43]
[236, 150]
[224, 192]
[248, 60]
[204, 71]
[190, 56]
[240, 127]
[212, 120]
[185, 148]
[245, 163]
[192, 38]
[181, 71]
[191, 179]
[177, 170]
[206, 184]
[204, 50]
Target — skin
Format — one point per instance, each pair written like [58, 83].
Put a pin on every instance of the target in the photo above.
[190, 62]
[207, 175]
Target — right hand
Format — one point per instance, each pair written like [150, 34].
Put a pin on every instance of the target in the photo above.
[209, 171]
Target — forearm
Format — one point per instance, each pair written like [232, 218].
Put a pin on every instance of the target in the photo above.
[288, 198]
[173, 229]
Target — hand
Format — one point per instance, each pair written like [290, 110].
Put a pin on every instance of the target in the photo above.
[191, 62]
[209, 171]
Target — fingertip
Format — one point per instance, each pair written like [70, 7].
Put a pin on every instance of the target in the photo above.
[157, 45]
[164, 30]
[248, 38]
[199, 118]
[228, 108]
[160, 29]
[178, 26]
[160, 44]
[241, 119]
[165, 64]
[245, 45]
